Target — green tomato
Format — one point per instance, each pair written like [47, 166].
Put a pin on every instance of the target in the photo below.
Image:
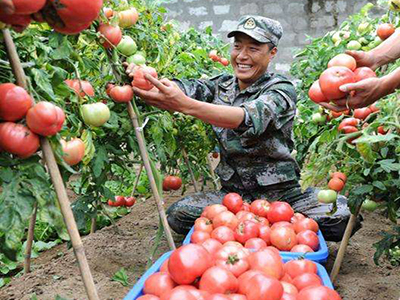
[369, 205]
[353, 45]
[142, 53]
[336, 37]
[136, 59]
[366, 48]
[327, 196]
[95, 114]
[127, 46]
[318, 118]
[363, 41]
[345, 34]
[362, 28]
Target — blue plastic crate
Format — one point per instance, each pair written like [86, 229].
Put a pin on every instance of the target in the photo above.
[320, 256]
[137, 289]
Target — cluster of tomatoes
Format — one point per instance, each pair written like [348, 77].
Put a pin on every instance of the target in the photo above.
[122, 201]
[335, 185]
[232, 272]
[65, 16]
[215, 57]
[256, 226]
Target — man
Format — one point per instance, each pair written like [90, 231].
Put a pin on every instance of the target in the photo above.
[252, 115]
[372, 89]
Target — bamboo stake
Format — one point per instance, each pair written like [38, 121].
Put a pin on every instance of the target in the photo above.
[93, 225]
[214, 178]
[29, 242]
[137, 179]
[146, 162]
[57, 180]
[186, 158]
[343, 245]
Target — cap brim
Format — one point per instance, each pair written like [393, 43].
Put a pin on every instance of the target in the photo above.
[251, 33]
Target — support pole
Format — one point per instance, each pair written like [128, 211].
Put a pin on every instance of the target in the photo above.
[186, 158]
[137, 179]
[214, 178]
[29, 242]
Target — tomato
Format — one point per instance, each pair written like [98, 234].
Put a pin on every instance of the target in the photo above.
[349, 129]
[136, 59]
[286, 278]
[232, 259]
[362, 113]
[354, 45]
[327, 196]
[218, 280]
[363, 73]
[140, 81]
[148, 297]
[74, 151]
[369, 205]
[301, 248]
[385, 30]
[109, 87]
[130, 201]
[309, 238]
[265, 233]
[45, 119]
[122, 94]
[335, 114]
[27, 7]
[244, 278]
[246, 230]
[343, 60]
[224, 61]
[381, 130]
[267, 261]
[18, 139]
[289, 288]
[297, 217]
[127, 46]
[223, 234]
[71, 29]
[81, 88]
[158, 283]
[199, 294]
[316, 94]
[172, 183]
[233, 202]
[339, 175]
[261, 221]
[260, 207]
[283, 238]
[318, 118]
[188, 262]
[297, 267]
[217, 297]
[374, 108]
[128, 18]
[332, 78]
[95, 114]
[282, 224]
[215, 155]
[255, 243]
[246, 216]
[164, 266]
[318, 292]
[19, 22]
[245, 207]
[280, 211]
[336, 184]
[237, 297]
[178, 294]
[110, 35]
[14, 102]
[306, 224]
[108, 12]
[203, 224]
[305, 280]
[286, 296]
[199, 237]
[225, 218]
[214, 55]
[118, 201]
[213, 210]
[348, 122]
[212, 245]
[264, 287]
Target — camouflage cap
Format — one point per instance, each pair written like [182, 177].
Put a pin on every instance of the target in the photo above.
[262, 29]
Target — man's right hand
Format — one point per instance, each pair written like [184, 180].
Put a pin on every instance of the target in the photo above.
[364, 59]
[6, 7]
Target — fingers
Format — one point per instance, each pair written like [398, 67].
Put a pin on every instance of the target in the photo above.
[348, 87]
[158, 84]
[166, 82]
[335, 107]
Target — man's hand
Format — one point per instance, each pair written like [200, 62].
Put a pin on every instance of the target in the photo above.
[364, 59]
[7, 7]
[129, 68]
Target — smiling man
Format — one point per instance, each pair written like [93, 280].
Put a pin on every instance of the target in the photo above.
[252, 113]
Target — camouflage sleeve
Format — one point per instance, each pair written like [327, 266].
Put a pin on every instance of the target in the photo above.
[202, 90]
[271, 110]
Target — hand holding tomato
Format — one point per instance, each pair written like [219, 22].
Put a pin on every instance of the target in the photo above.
[364, 59]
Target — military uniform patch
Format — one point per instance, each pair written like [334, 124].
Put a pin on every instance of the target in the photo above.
[250, 24]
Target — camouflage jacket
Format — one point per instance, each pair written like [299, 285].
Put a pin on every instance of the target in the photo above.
[256, 155]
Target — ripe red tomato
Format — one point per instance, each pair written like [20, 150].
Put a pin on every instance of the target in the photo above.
[255, 243]
[245, 207]
[362, 113]
[130, 201]
[283, 238]
[212, 245]
[265, 233]
[315, 93]
[128, 18]
[336, 184]
[260, 207]
[237, 297]
[109, 87]
[374, 108]
[309, 238]
[27, 7]
[214, 55]
[343, 60]
[139, 79]
[172, 183]
[286, 296]
[178, 293]
[211, 211]
[72, 28]
[74, 151]
[336, 115]
[246, 216]
[332, 78]
[233, 202]
[217, 297]
[301, 248]
[385, 30]
[14, 102]
[188, 262]
[74, 12]
[362, 73]
[318, 292]
[224, 61]
[305, 280]
[119, 201]
[223, 234]
[164, 266]
[297, 267]
[297, 217]
[199, 237]
[18, 22]
[199, 294]
[122, 94]
[267, 261]
[287, 278]
[282, 224]
[246, 230]
[148, 297]
[225, 218]
[111, 35]
[18, 139]
[203, 224]
[244, 279]
[264, 287]
[289, 288]
[81, 88]
[306, 224]
[381, 130]
[158, 284]
[108, 12]
[348, 122]
[349, 129]
[233, 259]
[218, 280]
[339, 175]
[45, 119]
[280, 211]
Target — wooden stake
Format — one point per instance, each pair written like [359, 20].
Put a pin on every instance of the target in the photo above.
[214, 178]
[137, 179]
[343, 245]
[146, 162]
[29, 242]
[57, 180]
[186, 158]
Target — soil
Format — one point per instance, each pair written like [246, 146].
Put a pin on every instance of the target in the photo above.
[128, 244]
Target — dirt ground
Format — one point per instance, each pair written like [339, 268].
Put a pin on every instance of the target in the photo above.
[55, 272]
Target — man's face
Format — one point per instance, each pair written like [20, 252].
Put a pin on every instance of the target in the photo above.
[250, 59]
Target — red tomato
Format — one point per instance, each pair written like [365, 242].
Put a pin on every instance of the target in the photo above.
[305, 224]
[233, 243]
[27, 7]
[282, 224]
[139, 79]
[289, 288]
[339, 175]
[215, 155]
[244, 279]
[283, 238]
[217, 297]
[218, 280]
[362, 113]
[233, 202]
[264, 287]
[14, 102]
[164, 266]
[348, 122]
[315, 93]
[71, 29]
[237, 297]
[212, 245]
[245, 207]
[305, 280]
[261, 221]
[199, 294]
[297, 267]
[309, 238]
[318, 292]
[245, 216]
[265, 234]
[203, 224]
[110, 35]
[110, 202]
[225, 218]
[128, 18]
[280, 211]
[172, 183]
[297, 217]
[148, 297]
[223, 234]
[18, 139]
[260, 207]
[385, 30]
[158, 284]
[214, 210]
[19, 22]
[224, 61]
[246, 230]
[232, 259]
[343, 60]
[335, 114]
[108, 12]
[178, 294]
[363, 73]
[81, 88]
[373, 107]
[122, 94]
[45, 119]
[286, 296]
[268, 262]
[381, 130]
[198, 237]
[287, 278]
[119, 201]
[130, 201]
[188, 262]
[336, 184]
[74, 151]
[301, 248]
[332, 78]
[255, 243]
[109, 87]
[214, 55]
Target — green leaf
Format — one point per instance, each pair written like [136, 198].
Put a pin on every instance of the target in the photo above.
[362, 190]
[376, 138]
[6, 174]
[379, 185]
[43, 81]
[121, 277]
[100, 160]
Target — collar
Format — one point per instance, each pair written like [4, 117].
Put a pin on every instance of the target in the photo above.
[255, 87]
